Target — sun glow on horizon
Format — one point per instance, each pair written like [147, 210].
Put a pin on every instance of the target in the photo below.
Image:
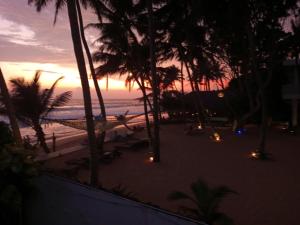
[50, 72]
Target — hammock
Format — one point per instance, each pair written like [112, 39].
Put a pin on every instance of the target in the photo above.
[100, 126]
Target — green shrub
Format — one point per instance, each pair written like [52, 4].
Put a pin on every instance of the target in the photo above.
[17, 167]
[5, 135]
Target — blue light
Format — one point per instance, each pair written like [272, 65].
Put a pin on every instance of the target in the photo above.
[240, 131]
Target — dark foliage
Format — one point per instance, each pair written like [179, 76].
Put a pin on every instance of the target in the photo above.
[206, 202]
[16, 169]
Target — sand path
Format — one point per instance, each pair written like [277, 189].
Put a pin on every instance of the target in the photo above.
[269, 192]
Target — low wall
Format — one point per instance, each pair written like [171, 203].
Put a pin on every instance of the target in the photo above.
[57, 201]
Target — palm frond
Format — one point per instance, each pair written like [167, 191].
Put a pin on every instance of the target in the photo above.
[59, 100]
[207, 201]
[222, 191]
[177, 195]
[47, 93]
[200, 189]
[58, 6]
[39, 4]
[30, 102]
[17, 82]
[36, 77]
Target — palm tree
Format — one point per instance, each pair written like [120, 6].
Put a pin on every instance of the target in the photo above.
[127, 60]
[33, 104]
[79, 55]
[206, 202]
[121, 52]
[186, 39]
[155, 88]
[5, 98]
[167, 77]
[101, 137]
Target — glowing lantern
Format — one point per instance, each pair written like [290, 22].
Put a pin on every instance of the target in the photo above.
[199, 126]
[151, 158]
[216, 137]
[221, 94]
[254, 154]
[259, 155]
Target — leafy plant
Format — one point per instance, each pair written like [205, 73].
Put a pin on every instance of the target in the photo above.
[33, 104]
[16, 168]
[206, 203]
[5, 135]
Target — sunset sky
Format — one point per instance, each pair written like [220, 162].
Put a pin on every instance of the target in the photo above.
[29, 41]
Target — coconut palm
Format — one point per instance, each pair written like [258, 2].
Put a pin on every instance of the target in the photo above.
[120, 51]
[206, 202]
[101, 137]
[121, 54]
[5, 98]
[34, 104]
[185, 35]
[155, 82]
[125, 49]
[79, 55]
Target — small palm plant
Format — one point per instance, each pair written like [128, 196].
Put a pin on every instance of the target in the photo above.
[33, 104]
[206, 201]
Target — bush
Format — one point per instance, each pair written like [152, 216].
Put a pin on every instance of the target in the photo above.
[5, 135]
[17, 167]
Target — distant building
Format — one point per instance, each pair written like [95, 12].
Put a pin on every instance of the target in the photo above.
[291, 90]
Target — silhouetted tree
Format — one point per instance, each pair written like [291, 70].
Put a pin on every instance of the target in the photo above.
[79, 55]
[33, 104]
[5, 99]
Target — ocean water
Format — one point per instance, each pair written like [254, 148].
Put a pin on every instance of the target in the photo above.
[75, 110]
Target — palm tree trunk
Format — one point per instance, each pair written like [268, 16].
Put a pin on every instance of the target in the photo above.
[190, 76]
[196, 100]
[227, 102]
[40, 136]
[264, 124]
[75, 32]
[10, 109]
[101, 135]
[182, 78]
[201, 105]
[245, 84]
[146, 113]
[182, 92]
[208, 84]
[145, 101]
[262, 86]
[156, 140]
[148, 125]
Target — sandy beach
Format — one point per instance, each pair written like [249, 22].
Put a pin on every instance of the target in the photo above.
[268, 191]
